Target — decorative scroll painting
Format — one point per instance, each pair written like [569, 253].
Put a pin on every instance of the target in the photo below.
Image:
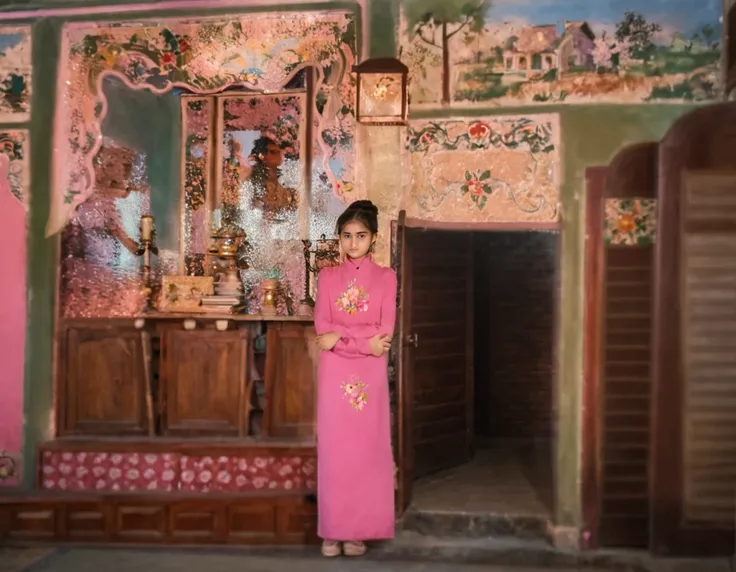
[14, 203]
[15, 74]
[498, 169]
[630, 222]
[514, 53]
[197, 127]
[259, 52]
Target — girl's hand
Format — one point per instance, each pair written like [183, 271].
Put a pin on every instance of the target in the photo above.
[380, 344]
[327, 341]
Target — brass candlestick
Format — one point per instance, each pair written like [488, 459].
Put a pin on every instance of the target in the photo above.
[327, 253]
[227, 243]
[269, 287]
[146, 247]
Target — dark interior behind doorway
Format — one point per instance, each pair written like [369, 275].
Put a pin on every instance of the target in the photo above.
[515, 309]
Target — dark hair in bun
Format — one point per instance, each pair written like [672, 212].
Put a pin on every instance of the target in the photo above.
[364, 212]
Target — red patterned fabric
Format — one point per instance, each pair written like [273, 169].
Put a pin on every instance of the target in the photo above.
[110, 471]
[166, 472]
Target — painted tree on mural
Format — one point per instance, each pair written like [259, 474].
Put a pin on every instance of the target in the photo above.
[639, 33]
[435, 22]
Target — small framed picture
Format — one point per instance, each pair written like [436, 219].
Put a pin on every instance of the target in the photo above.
[184, 293]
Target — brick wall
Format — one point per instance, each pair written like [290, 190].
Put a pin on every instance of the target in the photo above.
[515, 320]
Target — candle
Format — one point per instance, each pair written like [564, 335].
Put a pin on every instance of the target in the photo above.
[146, 227]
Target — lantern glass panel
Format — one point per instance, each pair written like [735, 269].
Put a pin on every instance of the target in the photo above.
[381, 97]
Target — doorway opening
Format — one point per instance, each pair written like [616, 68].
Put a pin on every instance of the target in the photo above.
[481, 315]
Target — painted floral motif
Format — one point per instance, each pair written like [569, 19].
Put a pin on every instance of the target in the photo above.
[205, 56]
[450, 177]
[175, 472]
[476, 185]
[13, 163]
[518, 133]
[353, 300]
[355, 392]
[7, 466]
[15, 73]
[630, 222]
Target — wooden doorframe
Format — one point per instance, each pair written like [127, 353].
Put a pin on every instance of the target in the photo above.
[402, 263]
[404, 449]
[595, 189]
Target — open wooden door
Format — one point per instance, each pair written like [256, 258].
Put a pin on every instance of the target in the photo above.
[435, 361]
[694, 345]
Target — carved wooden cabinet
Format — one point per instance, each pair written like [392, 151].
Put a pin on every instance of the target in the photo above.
[102, 386]
[204, 385]
[290, 380]
[162, 379]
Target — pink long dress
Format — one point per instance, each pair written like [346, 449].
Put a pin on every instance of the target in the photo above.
[355, 486]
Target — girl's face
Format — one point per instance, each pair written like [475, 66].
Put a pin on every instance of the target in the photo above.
[356, 239]
[272, 156]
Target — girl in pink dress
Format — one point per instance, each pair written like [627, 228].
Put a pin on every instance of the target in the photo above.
[354, 318]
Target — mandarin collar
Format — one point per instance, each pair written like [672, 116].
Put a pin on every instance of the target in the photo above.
[364, 262]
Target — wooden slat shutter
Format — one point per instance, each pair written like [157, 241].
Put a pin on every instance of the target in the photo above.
[626, 372]
[621, 232]
[708, 303]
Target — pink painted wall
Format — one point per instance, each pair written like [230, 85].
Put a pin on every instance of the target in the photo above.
[12, 320]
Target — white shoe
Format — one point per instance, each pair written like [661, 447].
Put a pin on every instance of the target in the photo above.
[331, 548]
[354, 548]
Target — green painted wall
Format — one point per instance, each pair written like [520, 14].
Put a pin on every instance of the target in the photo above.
[591, 135]
[151, 124]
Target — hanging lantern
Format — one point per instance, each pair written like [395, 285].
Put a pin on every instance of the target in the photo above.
[381, 87]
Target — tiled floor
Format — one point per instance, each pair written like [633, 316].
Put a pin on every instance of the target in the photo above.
[222, 560]
[503, 478]
[14, 559]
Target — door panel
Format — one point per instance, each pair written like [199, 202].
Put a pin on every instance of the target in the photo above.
[405, 457]
[693, 454]
[439, 319]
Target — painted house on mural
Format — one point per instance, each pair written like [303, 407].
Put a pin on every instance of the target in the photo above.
[542, 48]
[188, 170]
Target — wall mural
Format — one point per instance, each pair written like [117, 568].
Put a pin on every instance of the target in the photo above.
[261, 53]
[497, 169]
[15, 73]
[14, 203]
[555, 51]
[630, 222]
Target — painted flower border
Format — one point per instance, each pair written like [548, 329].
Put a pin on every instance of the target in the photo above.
[520, 133]
[158, 57]
[630, 222]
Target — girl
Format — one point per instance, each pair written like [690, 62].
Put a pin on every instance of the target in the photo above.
[354, 318]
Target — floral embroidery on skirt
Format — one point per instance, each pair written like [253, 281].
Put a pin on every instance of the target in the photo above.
[353, 300]
[354, 391]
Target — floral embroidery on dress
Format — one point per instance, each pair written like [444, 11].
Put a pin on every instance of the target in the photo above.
[354, 391]
[353, 300]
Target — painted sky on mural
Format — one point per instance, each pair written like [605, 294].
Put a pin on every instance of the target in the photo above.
[684, 16]
[9, 41]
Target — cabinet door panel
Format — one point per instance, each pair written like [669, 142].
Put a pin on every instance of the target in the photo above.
[290, 381]
[102, 385]
[203, 382]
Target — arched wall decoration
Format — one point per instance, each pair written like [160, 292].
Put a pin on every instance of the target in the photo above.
[261, 52]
